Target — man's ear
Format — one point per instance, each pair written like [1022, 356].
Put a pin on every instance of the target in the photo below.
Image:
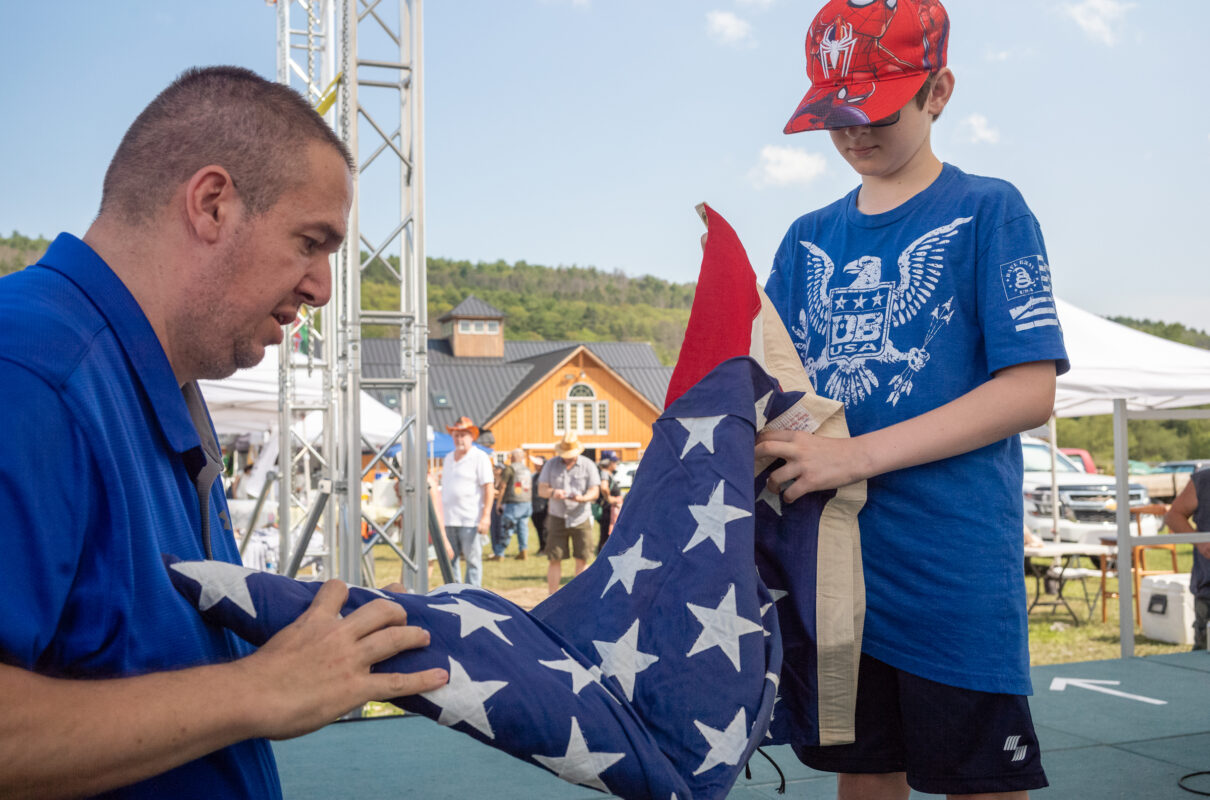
[211, 202]
[943, 89]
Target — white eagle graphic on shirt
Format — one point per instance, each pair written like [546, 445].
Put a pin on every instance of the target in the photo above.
[857, 319]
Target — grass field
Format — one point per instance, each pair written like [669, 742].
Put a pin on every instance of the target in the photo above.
[1053, 637]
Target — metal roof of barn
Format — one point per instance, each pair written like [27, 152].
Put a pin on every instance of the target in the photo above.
[473, 307]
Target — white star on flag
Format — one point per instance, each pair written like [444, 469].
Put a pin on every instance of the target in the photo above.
[762, 407]
[628, 565]
[579, 764]
[775, 679]
[726, 747]
[776, 594]
[623, 660]
[462, 699]
[451, 588]
[218, 580]
[712, 520]
[701, 430]
[721, 627]
[475, 617]
[580, 677]
[772, 499]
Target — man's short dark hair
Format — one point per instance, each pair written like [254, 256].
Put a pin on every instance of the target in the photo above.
[254, 128]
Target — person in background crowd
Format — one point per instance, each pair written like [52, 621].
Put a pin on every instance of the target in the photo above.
[571, 482]
[515, 504]
[1190, 512]
[466, 499]
[538, 516]
[496, 536]
[609, 498]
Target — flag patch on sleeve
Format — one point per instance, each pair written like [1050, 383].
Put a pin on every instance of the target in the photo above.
[1026, 283]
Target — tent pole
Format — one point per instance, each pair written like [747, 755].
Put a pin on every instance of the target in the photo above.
[1121, 471]
[1054, 481]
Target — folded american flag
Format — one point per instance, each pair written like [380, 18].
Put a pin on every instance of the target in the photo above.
[656, 672]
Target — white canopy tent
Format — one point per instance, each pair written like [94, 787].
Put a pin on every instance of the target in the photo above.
[246, 402]
[1112, 362]
[1132, 375]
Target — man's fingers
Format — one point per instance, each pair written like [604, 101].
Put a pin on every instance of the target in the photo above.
[386, 685]
[375, 615]
[395, 588]
[381, 645]
[330, 598]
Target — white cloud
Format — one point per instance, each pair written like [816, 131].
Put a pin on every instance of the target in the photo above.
[1100, 19]
[997, 55]
[979, 130]
[726, 28]
[786, 166]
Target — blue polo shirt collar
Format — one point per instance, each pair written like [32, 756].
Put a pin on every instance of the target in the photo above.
[80, 264]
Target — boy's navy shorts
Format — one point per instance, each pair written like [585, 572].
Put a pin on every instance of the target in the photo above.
[948, 740]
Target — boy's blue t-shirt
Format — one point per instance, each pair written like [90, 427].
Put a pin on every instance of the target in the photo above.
[896, 314]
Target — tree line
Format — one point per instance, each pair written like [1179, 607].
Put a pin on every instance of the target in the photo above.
[589, 304]
[551, 303]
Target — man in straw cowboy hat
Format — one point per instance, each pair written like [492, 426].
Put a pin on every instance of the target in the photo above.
[571, 482]
[466, 498]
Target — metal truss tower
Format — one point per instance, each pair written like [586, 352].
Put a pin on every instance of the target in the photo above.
[359, 62]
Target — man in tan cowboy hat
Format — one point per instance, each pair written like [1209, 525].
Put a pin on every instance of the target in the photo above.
[466, 498]
[571, 482]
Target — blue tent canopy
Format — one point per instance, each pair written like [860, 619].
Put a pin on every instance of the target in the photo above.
[441, 445]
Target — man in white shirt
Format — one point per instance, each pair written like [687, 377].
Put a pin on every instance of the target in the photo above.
[466, 498]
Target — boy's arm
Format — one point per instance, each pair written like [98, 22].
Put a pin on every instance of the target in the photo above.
[1017, 398]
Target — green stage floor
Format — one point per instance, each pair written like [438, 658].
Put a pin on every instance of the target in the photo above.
[1134, 743]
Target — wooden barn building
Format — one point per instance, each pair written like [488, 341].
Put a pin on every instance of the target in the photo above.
[528, 394]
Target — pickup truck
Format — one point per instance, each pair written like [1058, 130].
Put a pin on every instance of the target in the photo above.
[1087, 503]
[1162, 486]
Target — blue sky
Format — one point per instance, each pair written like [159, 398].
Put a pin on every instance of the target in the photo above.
[584, 131]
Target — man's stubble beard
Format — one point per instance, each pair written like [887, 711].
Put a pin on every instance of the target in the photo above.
[217, 347]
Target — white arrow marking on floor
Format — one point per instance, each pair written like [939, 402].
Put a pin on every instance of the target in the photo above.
[1059, 684]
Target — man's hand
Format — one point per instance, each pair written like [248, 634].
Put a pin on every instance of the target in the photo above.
[318, 667]
[812, 463]
[123, 730]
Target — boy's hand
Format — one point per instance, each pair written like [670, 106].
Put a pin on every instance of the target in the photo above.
[812, 463]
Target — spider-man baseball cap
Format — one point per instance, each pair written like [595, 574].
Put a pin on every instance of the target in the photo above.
[867, 58]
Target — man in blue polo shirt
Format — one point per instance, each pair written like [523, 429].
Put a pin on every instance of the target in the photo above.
[218, 214]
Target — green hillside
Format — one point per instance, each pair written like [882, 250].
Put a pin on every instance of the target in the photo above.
[17, 252]
[585, 303]
[581, 303]
[1150, 440]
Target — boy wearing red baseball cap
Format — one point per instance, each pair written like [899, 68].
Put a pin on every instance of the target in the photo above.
[922, 301]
